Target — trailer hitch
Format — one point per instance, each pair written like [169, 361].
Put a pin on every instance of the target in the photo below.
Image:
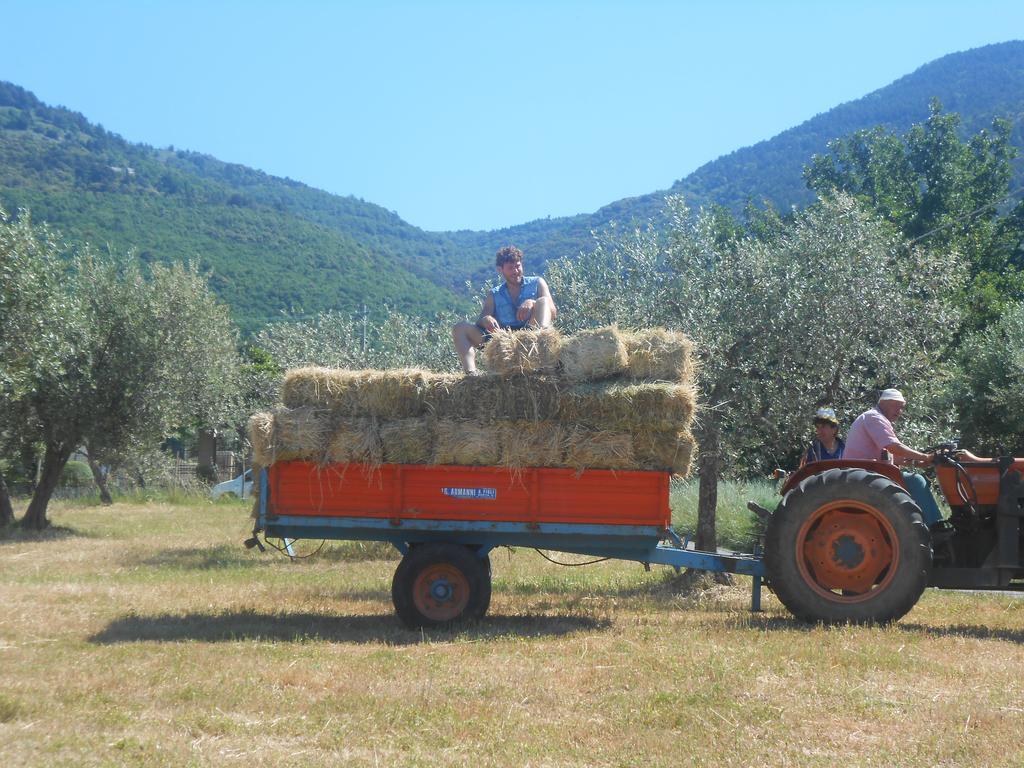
[254, 541]
[763, 512]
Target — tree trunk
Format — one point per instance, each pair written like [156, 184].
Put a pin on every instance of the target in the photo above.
[6, 508]
[708, 470]
[101, 481]
[206, 463]
[28, 464]
[53, 462]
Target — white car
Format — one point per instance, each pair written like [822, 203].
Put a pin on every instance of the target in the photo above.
[241, 486]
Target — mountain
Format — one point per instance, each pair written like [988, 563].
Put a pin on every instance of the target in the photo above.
[271, 244]
[980, 84]
[276, 245]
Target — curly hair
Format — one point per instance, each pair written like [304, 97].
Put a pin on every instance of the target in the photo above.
[507, 254]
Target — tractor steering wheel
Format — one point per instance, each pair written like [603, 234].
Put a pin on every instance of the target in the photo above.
[943, 452]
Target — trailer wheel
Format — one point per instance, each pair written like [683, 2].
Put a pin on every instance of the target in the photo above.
[440, 584]
[848, 546]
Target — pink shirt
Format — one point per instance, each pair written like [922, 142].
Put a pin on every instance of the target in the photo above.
[870, 434]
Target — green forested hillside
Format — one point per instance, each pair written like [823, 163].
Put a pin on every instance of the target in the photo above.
[979, 85]
[275, 244]
[271, 244]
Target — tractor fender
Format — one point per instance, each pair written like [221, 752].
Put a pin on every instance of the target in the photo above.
[883, 468]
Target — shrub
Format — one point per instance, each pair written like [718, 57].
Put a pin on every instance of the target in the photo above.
[76, 474]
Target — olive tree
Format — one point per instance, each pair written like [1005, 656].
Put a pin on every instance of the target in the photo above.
[947, 191]
[339, 340]
[831, 308]
[30, 297]
[990, 389]
[136, 355]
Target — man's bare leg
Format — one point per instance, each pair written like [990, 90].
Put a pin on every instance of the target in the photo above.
[541, 314]
[467, 337]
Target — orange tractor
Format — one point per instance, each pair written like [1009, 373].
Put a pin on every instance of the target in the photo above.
[847, 543]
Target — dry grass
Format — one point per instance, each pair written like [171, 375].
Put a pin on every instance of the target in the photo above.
[146, 636]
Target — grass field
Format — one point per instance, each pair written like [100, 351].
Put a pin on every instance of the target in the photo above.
[144, 635]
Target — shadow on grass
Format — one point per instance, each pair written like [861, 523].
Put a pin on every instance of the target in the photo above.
[968, 630]
[305, 627]
[767, 622]
[235, 556]
[527, 589]
[212, 558]
[772, 623]
[12, 534]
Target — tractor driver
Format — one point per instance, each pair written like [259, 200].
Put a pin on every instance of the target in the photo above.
[872, 433]
[519, 302]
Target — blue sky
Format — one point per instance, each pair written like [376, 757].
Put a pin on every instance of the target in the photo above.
[462, 115]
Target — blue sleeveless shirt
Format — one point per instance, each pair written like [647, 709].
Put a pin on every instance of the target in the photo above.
[505, 308]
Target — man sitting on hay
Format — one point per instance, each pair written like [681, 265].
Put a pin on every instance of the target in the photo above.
[519, 302]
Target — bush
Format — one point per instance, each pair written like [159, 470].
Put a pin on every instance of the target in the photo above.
[76, 474]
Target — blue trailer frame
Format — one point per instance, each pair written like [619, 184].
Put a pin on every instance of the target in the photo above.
[642, 544]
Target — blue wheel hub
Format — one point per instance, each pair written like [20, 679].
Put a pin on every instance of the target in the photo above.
[441, 590]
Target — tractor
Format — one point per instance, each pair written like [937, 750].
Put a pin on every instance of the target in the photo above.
[847, 544]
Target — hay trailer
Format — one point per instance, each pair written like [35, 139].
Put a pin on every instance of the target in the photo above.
[445, 520]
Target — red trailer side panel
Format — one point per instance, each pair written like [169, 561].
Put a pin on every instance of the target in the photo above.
[408, 491]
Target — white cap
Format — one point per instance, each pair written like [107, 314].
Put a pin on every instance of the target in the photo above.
[891, 394]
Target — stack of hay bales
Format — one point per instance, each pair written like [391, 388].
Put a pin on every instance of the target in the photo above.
[602, 399]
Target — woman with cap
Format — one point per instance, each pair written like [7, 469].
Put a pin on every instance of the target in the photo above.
[827, 445]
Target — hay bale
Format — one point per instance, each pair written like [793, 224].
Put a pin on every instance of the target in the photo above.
[289, 433]
[659, 354]
[391, 394]
[495, 398]
[599, 449]
[261, 438]
[407, 441]
[467, 443]
[522, 351]
[629, 407]
[462, 397]
[594, 354]
[301, 433]
[354, 441]
[532, 444]
[672, 451]
[316, 386]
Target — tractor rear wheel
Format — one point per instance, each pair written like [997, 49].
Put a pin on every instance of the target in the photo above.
[848, 546]
[439, 584]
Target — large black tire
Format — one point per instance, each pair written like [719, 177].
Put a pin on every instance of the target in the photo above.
[848, 546]
[436, 585]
